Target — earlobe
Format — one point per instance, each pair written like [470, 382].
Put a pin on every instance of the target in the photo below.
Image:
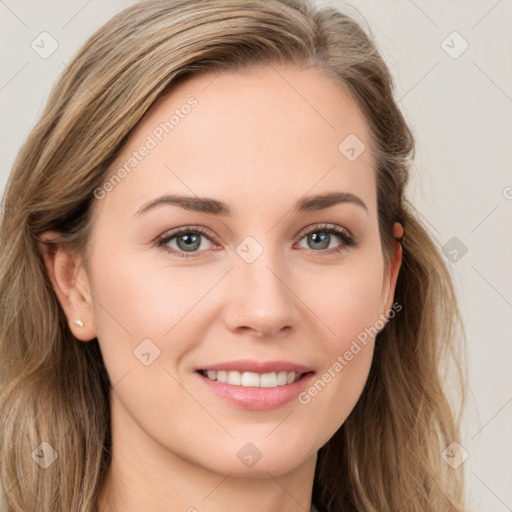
[71, 285]
[395, 264]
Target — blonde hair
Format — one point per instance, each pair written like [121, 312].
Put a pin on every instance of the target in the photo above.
[387, 454]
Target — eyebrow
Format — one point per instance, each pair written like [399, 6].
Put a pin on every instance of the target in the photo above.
[214, 207]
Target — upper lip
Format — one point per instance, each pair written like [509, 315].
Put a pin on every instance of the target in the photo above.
[258, 366]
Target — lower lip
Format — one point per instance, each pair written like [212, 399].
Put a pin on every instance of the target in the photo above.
[258, 399]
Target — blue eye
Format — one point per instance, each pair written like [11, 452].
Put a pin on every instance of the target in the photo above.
[321, 237]
[189, 240]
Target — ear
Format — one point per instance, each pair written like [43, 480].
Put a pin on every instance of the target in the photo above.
[71, 285]
[391, 276]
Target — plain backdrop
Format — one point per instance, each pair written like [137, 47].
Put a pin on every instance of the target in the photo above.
[452, 66]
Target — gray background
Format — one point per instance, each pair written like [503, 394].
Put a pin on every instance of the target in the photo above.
[460, 110]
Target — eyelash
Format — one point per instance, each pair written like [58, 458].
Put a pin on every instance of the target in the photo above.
[342, 233]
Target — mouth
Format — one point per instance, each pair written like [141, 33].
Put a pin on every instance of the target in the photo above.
[253, 379]
[256, 385]
[253, 390]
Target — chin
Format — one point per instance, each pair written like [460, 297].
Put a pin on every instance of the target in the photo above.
[251, 460]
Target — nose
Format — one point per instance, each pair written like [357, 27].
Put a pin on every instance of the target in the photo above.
[261, 298]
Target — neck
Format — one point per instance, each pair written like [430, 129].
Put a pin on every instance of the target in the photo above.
[195, 490]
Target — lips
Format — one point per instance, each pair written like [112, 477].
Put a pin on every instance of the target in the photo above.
[256, 385]
[256, 398]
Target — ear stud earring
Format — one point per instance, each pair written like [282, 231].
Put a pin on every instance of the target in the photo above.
[79, 323]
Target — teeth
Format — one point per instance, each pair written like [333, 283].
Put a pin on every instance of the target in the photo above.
[250, 379]
[268, 380]
[253, 380]
[234, 378]
[282, 378]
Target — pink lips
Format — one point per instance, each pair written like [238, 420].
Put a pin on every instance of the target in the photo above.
[254, 398]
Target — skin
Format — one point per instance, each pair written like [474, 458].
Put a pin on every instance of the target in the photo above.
[259, 141]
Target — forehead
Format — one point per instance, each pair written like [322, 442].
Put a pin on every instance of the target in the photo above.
[256, 133]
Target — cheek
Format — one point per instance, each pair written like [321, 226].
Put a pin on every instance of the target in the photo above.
[145, 296]
[138, 298]
[349, 302]
[349, 306]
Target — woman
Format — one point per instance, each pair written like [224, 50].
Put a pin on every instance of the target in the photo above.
[214, 292]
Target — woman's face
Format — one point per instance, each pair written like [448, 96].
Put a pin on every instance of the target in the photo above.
[266, 282]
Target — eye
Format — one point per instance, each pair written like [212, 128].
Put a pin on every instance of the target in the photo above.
[188, 240]
[320, 238]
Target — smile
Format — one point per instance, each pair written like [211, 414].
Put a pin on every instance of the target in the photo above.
[252, 379]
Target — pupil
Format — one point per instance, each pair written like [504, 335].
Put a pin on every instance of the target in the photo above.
[323, 237]
[188, 241]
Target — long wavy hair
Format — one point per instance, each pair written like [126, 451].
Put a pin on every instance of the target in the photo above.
[387, 455]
